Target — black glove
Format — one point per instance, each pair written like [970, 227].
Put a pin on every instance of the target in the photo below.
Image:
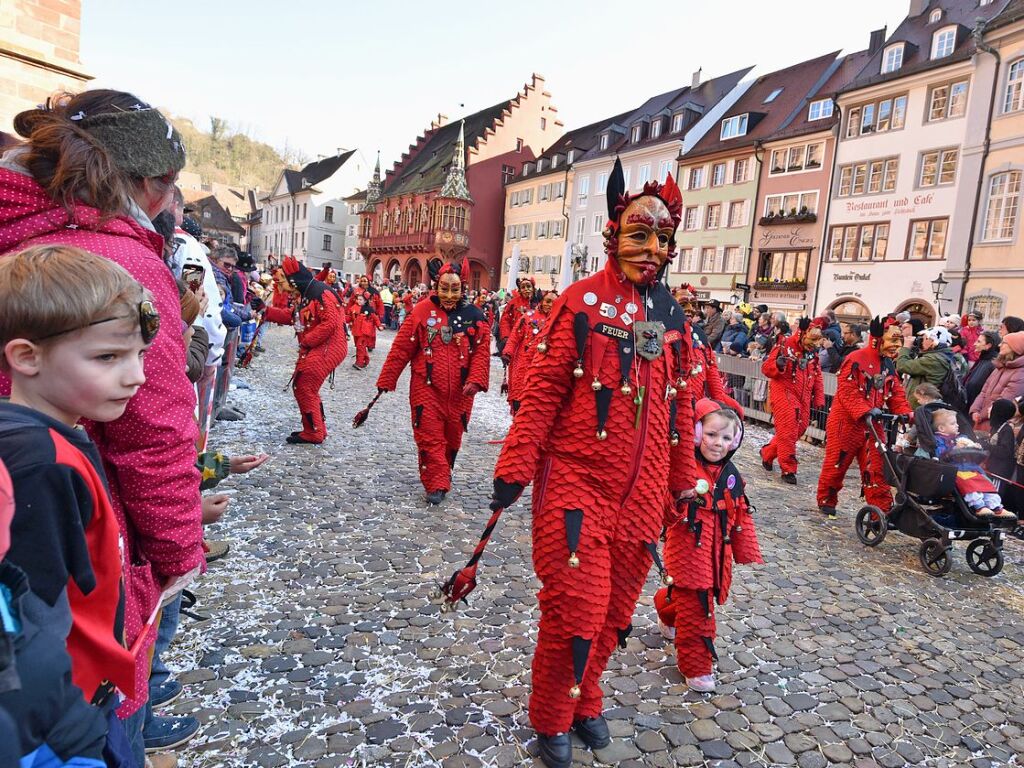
[874, 413]
[381, 390]
[258, 304]
[780, 361]
[505, 494]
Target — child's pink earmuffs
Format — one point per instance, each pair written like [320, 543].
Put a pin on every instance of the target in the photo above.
[705, 408]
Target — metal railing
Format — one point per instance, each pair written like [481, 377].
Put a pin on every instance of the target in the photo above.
[746, 383]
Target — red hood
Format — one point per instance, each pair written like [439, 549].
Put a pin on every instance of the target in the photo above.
[28, 213]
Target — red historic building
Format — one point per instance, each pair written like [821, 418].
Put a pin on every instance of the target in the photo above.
[445, 197]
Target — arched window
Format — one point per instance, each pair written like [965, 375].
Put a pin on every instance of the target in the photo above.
[943, 42]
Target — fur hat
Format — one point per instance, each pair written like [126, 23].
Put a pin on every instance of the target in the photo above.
[939, 335]
[140, 141]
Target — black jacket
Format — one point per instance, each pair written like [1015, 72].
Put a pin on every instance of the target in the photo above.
[976, 377]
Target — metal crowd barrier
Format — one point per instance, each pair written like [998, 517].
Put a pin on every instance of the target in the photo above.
[746, 383]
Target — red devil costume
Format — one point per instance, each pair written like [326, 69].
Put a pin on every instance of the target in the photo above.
[365, 324]
[516, 307]
[320, 324]
[701, 544]
[796, 387]
[604, 432]
[449, 353]
[520, 351]
[375, 303]
[868, 384]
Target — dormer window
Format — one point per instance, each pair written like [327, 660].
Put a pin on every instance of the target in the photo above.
[572, 154]
[677, 123]
[820, 109]
[526, 169]
[773, 96]
[943, 42]
[656, 129]
[636, 133]
[554, 161]
[935, 16]
[734, 126]
[604, 141]
[892, 58]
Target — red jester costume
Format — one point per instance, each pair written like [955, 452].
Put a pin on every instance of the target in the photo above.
[604, 432]
[867, 384]
[320, 324]
[517, 306]
[701, 544]
[796, 387]
[447, 344]
[522, 347]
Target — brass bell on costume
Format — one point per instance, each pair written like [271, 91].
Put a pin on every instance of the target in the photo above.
[574, 562]
[672, 392]
[596, 384]
[602, 434]
[625, 388]
[667, 580]
[675, 439]
[578, 371]
[574, 692]
[542, 347]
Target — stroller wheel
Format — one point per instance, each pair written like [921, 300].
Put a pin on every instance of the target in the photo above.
[984, 557]
[872, 525]
[934, 556]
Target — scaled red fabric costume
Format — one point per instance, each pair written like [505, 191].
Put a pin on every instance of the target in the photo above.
[447, 351]
[364, 329]
[705, 377]
[604, 432]
[320, 323]
[867, 380]
[374, 300]
[514, 309]
[715, 529]
[520, 350]
[795, 387]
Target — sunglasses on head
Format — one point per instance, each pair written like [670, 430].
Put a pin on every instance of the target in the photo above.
[149, 323]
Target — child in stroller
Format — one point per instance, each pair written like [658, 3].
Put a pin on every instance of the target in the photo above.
[971, 482]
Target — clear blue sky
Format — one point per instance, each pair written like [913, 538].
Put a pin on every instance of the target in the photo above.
[322, 75]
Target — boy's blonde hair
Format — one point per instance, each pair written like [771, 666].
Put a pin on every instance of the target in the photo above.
[50, 289]
[927, 390]
[944, 413]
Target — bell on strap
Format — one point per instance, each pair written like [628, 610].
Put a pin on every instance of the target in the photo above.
[573, 528]
[580, 654]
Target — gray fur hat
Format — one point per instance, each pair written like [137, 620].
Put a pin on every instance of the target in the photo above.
[140, 140]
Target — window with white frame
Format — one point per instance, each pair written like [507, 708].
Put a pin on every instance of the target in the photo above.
[791, 204]
[571, 156]
[935, 16]
[820, 109]
[734, 126]
[888, 114]
[714, 216]
[733, 259]
[544, 192]
[542, 229]
[559, 190]
[737, 213]
[581, 229]
[664, 169]
[1013, 101]
[644, 175]
[696, 178]
[686, 262]
[927, 239]
[327, 243]
[583, 189]
[603, 144]
[717, 174]
[598, 223]
[540, 164]
[554, 161]
[892, 58]
[938, 167]
[655, 129]
[690, 220]
[1003, 207]
[707, 259]
[602, 183]
[329, 214]
[943, 42]
[677, 123]
[870, 177]
[625, 176]
[796, 158]
[636, 133]
[510, 233]
[740, 170]
[947, 101]
[853, 242]
[557, 228]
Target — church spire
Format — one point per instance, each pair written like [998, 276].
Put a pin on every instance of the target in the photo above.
[455, 185]
[373, 189]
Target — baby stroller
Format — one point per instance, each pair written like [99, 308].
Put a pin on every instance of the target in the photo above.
[928, 507]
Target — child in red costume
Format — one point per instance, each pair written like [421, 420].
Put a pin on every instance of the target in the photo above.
[520, 303]
[364, 326]
[602, 432]
[796, 387]
[320, 324]
[701, 545]
[867, 383]
[522, 346]
[447, 344]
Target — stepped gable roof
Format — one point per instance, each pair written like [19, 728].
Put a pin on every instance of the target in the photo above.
[580, 139]
[314, 173]
[703, 98]
[847, 68]
[917, 32]
[428, 168]
[793, 84]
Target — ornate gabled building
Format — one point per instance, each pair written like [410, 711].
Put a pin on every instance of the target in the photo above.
[445, 197]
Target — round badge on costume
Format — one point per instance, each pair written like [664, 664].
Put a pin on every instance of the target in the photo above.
[632, 308]
[702, 486]
[590, 298]
[731, 482]
[431, 321]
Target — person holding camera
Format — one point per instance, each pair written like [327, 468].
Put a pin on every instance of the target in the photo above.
[925, 358]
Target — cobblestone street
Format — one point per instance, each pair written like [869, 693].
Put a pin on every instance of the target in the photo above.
[324, 649]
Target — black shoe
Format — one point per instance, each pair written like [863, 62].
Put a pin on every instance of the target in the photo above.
[436, 497]
[829, 512]
[789, 477]
[768, 466]
[555, 751]
[593, 731]
[298, 439]
[229, 414]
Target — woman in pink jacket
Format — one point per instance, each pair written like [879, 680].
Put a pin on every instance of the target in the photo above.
[94, 170]
[1005, 381]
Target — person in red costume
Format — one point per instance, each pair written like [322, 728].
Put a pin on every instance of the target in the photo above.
[284, 296]
[701, 545]
[365, 324]
[373, 299]
[705, 378]
[522, 346]
[447, 345]
[794, 370]
[520, 303]
[868, 385]
[320, 324]
[605, 433]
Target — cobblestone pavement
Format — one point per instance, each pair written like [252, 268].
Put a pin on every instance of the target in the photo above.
[324, 650]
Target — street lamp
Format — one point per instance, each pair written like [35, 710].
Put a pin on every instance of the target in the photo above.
[734, 299]
[554, 279]
[939, 288]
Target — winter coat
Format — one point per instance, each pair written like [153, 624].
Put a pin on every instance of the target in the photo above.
[734, 339]
[978, 375]
[198, 350]
[969, 336]
[1005, 381]
[714, 328]
[149, 453]
[930, 366]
